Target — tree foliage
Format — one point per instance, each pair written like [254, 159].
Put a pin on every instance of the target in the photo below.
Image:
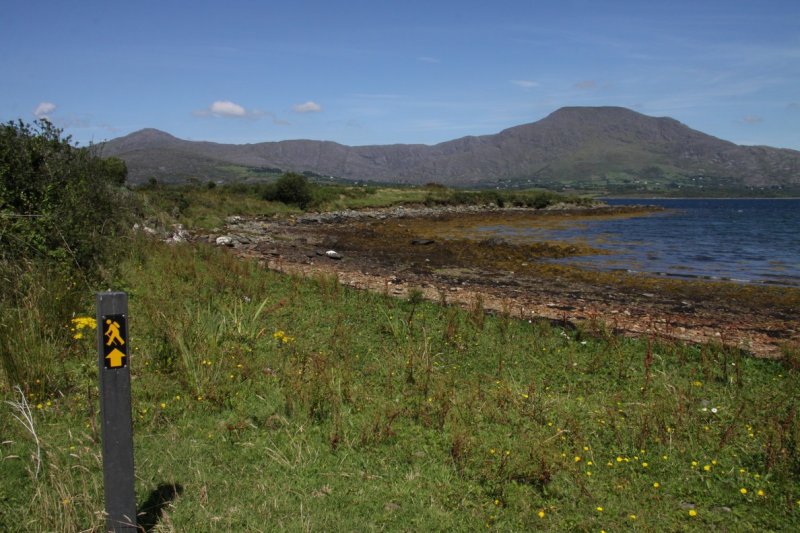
[291, 188]
[58, 203]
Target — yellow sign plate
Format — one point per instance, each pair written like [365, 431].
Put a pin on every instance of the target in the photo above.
[115, 345]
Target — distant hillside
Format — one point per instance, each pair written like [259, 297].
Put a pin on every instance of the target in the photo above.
[574, 146]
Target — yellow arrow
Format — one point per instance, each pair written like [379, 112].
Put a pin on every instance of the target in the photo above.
[115, 358]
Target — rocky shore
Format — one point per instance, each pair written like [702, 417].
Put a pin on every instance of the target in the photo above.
[392, 251]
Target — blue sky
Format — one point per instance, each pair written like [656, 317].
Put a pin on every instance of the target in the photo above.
[396, 72]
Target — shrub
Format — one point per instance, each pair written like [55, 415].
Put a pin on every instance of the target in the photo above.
[61, 216]
[58, 203]
[290, 188]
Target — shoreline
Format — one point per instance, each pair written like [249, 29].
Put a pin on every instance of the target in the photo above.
[376, 253]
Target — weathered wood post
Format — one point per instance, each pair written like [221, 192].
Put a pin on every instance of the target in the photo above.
[113, 349]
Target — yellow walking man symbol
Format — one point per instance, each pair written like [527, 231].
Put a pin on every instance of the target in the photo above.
[113, 333]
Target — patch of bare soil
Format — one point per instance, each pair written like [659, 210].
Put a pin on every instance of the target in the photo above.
[394, 251]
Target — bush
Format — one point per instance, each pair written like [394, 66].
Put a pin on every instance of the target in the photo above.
[62, 212]
[58, 203]
[290, 188]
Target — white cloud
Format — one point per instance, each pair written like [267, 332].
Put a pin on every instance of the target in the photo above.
[44, 109]
[226, 108]
[525, 84]
[308, 107]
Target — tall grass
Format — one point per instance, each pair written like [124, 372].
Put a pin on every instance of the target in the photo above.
[280, 403]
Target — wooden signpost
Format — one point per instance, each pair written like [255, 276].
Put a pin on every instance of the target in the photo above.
[113, 350]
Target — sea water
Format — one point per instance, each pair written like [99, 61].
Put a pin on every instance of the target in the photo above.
[742, 240]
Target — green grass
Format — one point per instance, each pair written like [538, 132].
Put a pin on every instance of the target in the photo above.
[203, 208]
[278, 403]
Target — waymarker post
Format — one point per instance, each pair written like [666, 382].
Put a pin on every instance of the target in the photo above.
[113, 350]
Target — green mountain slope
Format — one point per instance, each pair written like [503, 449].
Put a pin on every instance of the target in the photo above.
[577, 146]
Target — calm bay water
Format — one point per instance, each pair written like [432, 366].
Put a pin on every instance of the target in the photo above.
[745, 240]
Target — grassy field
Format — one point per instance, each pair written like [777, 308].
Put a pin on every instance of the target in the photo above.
[201, 207]
[267, 402]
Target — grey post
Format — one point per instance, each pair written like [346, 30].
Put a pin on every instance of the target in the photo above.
[115, 410]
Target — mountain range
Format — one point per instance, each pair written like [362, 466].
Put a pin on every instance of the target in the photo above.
[573, 146]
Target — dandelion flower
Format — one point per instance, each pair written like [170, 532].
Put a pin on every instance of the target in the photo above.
[599, 509]
[692, 513]
[632, 516]
[540, 514]
[761, 493]
[707, 468]
[656, 485]
[743, 491]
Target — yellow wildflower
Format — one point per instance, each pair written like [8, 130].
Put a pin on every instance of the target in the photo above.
[692, 513]
[81, 322]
